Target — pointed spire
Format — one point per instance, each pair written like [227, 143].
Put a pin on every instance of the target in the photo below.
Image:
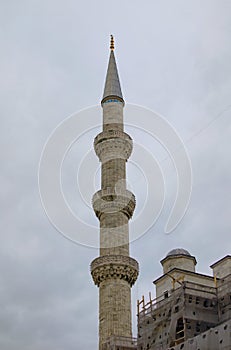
[112, 87]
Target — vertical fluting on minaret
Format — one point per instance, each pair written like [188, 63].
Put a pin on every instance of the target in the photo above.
[114, 272]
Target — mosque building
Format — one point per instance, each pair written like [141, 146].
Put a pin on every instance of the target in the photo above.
[191, 311]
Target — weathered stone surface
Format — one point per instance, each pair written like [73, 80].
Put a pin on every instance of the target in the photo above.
[114, 309]
[108, 148]
[114, 267]
[109, 202]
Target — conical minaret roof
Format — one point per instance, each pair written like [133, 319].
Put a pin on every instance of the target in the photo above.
[112, 87]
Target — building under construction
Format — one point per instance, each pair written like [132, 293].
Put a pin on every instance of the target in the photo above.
[191, 311]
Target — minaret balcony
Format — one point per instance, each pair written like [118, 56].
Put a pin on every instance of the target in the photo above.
[114, 267]
[108, 201]
[113, 144]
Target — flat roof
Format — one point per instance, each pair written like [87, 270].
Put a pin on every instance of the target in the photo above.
[185, 271]
[219, 261]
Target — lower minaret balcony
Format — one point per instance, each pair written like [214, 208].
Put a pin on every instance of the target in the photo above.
[107, 201]
[114, 267]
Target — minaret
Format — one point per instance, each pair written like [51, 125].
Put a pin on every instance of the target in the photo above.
[114, 271]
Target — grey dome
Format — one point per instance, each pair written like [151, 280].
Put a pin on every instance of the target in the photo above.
[178, 251]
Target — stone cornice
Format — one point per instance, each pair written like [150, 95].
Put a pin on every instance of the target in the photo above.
[107, 201]
[113, 144]
[114, 267]
[111, 134]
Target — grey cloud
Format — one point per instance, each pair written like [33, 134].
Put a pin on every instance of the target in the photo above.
[173, 57]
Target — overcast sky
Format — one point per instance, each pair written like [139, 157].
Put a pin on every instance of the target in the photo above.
[174, 58]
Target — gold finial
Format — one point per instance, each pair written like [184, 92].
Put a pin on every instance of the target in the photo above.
[112, 46]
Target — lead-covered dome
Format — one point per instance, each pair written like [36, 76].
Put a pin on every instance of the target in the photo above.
[178, 258]
[178, 251]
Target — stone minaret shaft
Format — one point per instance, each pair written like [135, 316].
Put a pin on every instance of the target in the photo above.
[114, 272]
